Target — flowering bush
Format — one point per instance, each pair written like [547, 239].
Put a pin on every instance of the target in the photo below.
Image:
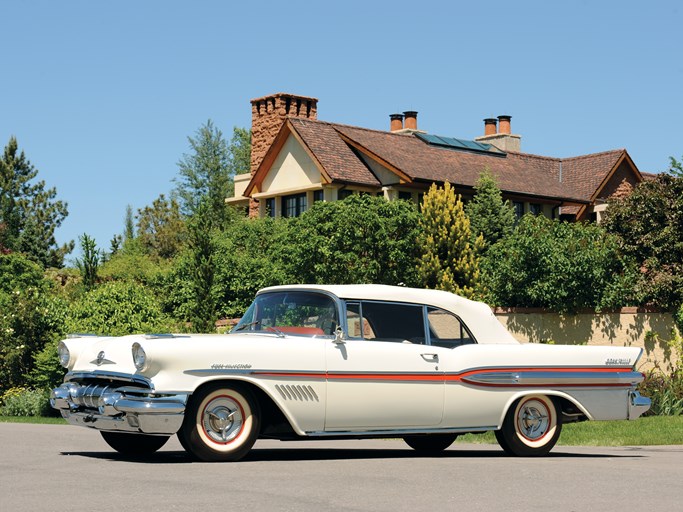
[24, 402]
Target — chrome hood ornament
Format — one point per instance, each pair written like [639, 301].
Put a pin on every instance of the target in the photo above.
[101, 359]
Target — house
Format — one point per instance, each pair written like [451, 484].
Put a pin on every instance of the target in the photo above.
[298, 160]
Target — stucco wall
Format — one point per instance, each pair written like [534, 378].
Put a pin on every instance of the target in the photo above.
[650, 331]
[292, 169]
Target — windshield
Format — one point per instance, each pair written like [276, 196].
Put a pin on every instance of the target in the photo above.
[291, 313]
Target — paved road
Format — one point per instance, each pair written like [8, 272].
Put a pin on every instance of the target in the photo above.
[54, 467]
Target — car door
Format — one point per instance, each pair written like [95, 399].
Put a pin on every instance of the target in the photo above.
[382, 375]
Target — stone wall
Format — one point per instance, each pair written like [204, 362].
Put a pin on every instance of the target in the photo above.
[628, 327]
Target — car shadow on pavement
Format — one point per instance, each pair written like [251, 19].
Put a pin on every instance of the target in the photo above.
[318, 454]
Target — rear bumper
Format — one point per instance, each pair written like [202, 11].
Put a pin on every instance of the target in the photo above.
[125, 409]
[637, 404]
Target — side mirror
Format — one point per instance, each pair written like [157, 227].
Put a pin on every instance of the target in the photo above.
[339, 336]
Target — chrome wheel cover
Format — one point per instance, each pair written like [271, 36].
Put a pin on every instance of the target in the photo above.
[533, 419]
[222, 419]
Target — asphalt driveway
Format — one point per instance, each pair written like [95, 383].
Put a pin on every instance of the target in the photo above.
[54, 467]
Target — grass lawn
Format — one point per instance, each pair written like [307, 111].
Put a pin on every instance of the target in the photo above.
[33, 419]
[652, 430]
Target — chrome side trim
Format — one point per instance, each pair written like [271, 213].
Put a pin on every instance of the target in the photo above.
[300, 393]
[398, 432]
[551, 378]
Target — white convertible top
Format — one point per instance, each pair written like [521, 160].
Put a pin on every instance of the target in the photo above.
[476, 315]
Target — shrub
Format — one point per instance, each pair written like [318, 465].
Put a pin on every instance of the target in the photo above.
[665, 387]
[21, 401]
[553, 264]
[117, 309]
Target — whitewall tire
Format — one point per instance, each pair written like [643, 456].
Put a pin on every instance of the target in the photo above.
[221, 423]
[531, 427]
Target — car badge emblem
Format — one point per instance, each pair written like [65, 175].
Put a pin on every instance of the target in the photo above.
[101, 359]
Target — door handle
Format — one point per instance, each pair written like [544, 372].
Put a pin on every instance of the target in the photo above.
[430, 358]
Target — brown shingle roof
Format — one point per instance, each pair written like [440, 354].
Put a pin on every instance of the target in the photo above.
[336, 157]
[586, 173]
[570, 179]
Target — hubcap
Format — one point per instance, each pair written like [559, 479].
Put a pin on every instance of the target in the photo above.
[222, 419]
[533, 420]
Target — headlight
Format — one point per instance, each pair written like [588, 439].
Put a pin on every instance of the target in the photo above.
[63, 354]
[139, 357]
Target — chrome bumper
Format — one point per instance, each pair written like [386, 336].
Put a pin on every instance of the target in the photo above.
[637, 404]
[125, 408]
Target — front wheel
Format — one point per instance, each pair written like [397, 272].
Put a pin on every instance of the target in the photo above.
[221, 423]
[133, 444]
[531, 427]
[430, 443]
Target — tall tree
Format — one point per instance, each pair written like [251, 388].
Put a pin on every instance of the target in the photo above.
[450, 260]
[240, 151]
[29, 213]
[129, 225]
[90, 262]
[161, 228]
[489, 215]
[205, 173]
[202, 269]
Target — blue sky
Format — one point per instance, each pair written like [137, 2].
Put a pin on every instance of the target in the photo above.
[102, 95]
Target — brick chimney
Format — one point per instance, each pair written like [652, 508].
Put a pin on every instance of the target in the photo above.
[267, 115]
[490, 126]
[504, 124]
[411, 119]
[503, 139]
[396, 123]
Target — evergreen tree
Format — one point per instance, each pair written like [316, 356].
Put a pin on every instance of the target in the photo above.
[161, 228]
[29, 213]
[240, 151]
[202, 270]
[450, 260]
[489, 215]
[90, 262]
[129, 225]
[205, 174]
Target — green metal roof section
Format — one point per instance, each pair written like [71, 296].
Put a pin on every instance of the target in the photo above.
[459, 144]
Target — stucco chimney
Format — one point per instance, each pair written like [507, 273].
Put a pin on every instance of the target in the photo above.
[490, 126]
[504, 124]
[411, 119]
[396, 122]
[503, 139]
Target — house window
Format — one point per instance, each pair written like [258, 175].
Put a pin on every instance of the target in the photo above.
[294, 205]
[406, 196]
[343, 194]
[519, 209]
[318, 195]
[270, 207]
[535, 209]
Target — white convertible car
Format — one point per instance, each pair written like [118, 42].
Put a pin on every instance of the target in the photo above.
[347, 361]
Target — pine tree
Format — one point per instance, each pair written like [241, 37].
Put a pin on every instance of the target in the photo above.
[89, 264]
[450, 260]
[205, 174]
[489, 215]
[29, 213]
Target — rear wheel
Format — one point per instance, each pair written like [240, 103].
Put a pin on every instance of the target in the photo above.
[531, 427]
[221, 423]
[134, 444]
[430, 443]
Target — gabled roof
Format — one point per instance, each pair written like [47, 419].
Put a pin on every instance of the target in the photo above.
[337, 151]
